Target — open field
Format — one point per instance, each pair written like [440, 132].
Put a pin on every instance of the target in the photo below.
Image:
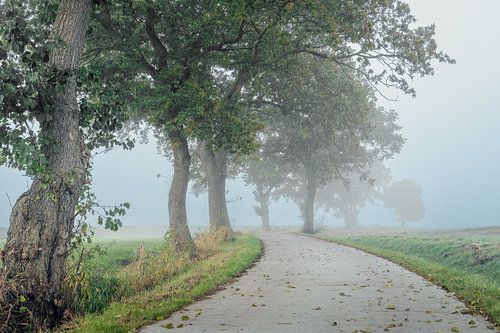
[466, 262]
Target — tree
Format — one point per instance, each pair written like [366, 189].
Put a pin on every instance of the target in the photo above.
[172, 56]
[266, 174]
[178, 46]
[53, 114]
[403, 197]
[346, 197]
[331, 128]
[42, 219]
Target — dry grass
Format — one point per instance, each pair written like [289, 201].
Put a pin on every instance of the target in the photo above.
[151, 268]
[202, 276]
[209, 243]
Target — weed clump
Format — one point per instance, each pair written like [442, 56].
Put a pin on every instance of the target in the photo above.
[149, 269]
[209, 243]
[94, 285]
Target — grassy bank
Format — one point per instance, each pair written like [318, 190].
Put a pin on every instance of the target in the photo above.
[467, 265]
[186, 282]
[98, 279]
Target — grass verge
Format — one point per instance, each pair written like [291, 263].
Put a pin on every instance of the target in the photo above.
[480, 291]
[200, 278]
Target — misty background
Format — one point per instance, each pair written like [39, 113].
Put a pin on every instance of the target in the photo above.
[452, 149]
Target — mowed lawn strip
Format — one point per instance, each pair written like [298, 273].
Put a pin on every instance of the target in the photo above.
[481, 291]
[202, 278]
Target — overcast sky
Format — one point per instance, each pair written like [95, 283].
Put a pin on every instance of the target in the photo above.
[452, 152]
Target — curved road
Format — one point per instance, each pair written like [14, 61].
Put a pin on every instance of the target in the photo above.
[304, 284]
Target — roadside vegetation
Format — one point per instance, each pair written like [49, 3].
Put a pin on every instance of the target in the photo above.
[466, 263]
[132, 287]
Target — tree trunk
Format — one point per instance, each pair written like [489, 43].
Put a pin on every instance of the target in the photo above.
[179, 229]
[351, 217]
[262, 197]
[264, 214]
[308, 210]
[42, 220]
[215, 167]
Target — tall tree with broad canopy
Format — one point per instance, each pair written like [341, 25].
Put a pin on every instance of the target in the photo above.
[53, 113]
[42, 219]
[175, 47]
[173, 54]
[332, 127]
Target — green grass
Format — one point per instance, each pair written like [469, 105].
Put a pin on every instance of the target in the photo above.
[199, 278]
[118, 253]
[469, 266]
[102, 282]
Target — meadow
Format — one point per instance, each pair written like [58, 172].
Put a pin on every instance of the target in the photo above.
[465, 262]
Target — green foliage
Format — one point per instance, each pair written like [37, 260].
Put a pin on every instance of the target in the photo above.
[188, 62]
[28, 80]
[329, 126]
[171, 85]
[103, 109]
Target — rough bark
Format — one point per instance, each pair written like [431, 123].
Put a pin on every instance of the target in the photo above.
[179, 229]
[42, 220]
[308, 210]
[215, 168]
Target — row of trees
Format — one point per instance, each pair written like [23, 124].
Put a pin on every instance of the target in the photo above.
[342, 196]
[215, 77]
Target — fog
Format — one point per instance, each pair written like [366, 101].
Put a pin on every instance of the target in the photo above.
[452, 131]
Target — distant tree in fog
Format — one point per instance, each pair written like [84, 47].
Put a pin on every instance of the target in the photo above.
[265, 173]
[329, 126]
[346, 197]
[404, 198]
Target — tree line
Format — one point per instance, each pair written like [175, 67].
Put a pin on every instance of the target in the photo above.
[292, 83]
